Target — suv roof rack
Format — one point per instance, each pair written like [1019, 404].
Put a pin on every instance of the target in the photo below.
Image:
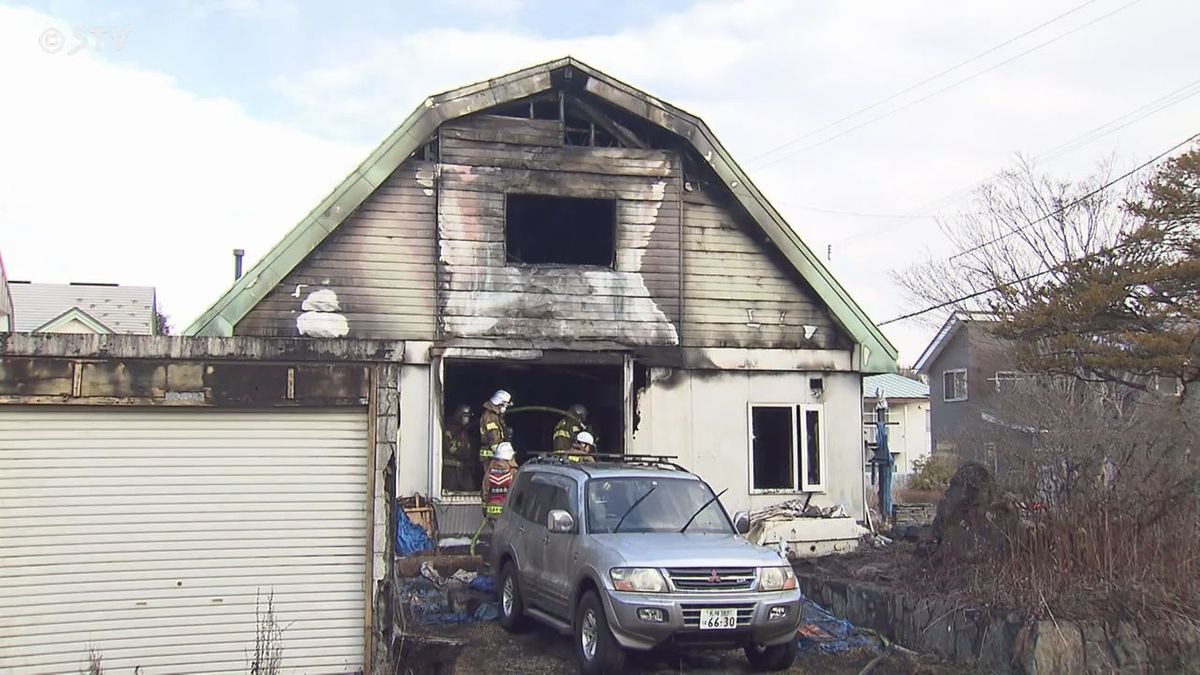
[564, 459]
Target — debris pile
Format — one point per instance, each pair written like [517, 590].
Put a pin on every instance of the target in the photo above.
[463, 597]
[796, 508]
[820, 630]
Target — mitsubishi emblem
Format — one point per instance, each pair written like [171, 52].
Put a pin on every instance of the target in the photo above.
[714, 578]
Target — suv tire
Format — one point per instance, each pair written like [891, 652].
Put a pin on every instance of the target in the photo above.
[773, 658]
[512, 610]
[597, 651]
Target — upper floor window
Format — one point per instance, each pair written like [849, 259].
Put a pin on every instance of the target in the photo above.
[549, 230]
[954, 385]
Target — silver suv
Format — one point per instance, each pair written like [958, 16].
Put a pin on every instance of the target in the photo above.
[636, 553]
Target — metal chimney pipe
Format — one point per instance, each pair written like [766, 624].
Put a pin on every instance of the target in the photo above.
[237, 263]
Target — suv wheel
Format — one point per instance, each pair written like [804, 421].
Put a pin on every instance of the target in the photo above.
[596, 648]
[773, 658]
[512, 610]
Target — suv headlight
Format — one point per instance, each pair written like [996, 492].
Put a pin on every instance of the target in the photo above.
[638, 579]
[776, 579]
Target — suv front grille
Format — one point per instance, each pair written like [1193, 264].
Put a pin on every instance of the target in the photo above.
[691, 613]
[712, 579]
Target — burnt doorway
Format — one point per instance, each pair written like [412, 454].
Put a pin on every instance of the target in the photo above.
[534, 383]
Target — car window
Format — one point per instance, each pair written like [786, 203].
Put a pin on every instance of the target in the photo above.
[519, 501]
[665, 509]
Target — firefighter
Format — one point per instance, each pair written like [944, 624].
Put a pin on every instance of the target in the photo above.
[459, 472]
[492, 430]
[583, 443]
[498, 480]
[568, 427]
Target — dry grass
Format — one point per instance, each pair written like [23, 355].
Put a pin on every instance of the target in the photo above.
[95, 662]
[267, 658]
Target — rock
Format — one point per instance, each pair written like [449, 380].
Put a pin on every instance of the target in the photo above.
[974, 520]
[1098, 658]
[1129, 648]
[1055, 648]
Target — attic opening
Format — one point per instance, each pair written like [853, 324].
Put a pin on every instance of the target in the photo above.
[549, 230]
[535, 388]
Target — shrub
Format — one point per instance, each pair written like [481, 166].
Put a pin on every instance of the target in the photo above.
[932, 473]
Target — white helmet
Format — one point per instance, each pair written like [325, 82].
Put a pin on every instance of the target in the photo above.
[501, 397]
[504, 452]
[585, 438]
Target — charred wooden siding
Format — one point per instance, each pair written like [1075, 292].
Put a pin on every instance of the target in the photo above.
[380, 262]
[635, 303]
[737, 291]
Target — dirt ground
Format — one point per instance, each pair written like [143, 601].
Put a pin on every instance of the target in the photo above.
[540, 651]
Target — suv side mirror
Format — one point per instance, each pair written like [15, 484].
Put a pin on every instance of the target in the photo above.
[560, 521]
[741, 522]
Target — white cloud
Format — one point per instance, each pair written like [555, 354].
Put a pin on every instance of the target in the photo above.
[116, 174]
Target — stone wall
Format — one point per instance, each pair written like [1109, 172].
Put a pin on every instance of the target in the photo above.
[1006, 642]
[914, 514]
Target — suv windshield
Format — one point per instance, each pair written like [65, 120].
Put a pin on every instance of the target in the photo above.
[666, 509]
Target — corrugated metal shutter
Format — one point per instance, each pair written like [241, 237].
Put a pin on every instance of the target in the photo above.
[148, 533]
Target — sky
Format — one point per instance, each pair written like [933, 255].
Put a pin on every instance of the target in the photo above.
[141, 142]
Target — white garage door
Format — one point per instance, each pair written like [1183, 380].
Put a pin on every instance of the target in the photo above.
[147, 535]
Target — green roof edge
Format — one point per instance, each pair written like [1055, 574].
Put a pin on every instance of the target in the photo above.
[224, 314]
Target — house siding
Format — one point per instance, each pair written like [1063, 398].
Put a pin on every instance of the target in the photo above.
[952, 419]
[736, 290]
[380, 262]
[481, 295]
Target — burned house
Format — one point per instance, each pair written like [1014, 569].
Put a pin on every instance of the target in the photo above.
[562, 235]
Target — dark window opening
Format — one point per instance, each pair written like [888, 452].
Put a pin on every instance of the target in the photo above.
[774, 456]
[541, 229]
[541, 109]
[600, 388]
[812, 446]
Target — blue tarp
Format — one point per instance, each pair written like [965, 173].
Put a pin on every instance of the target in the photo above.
[429, 603]
[410, 537]
[821, 630]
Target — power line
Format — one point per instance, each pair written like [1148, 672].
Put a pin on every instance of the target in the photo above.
[921, 83]
[1076, 201]
[1034, 275]
[948, 87]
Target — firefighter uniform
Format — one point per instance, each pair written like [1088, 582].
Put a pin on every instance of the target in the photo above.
[459, 472]
[492, 430]
[568, 428]
[497, 481]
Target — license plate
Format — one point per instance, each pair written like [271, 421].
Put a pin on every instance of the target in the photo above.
[718, 619]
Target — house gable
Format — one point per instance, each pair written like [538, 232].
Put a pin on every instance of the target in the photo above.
[822, 307]
[73, 320]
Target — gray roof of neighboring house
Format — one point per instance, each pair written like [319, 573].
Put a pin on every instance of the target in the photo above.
[947, 331]
[894, 386]
[122, 309]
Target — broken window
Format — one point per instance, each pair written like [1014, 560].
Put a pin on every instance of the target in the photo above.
[954, 385]
[787, 448]
[538, 389]
[548, 230]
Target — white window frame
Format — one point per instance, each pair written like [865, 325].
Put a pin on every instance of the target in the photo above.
[1008, 376]
[945, 394]
[799, 484]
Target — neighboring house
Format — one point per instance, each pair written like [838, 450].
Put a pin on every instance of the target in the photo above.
[908, 419]
[6, 318]
[562, 235]
[967, 366]
[82, 308]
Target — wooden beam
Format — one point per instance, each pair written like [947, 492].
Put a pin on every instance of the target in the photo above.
[627, 137]
[369, 595]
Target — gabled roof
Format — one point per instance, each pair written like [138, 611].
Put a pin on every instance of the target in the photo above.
[121, 309]
[877, 353]
[894, 386]
[946, 333]
[73, 314]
